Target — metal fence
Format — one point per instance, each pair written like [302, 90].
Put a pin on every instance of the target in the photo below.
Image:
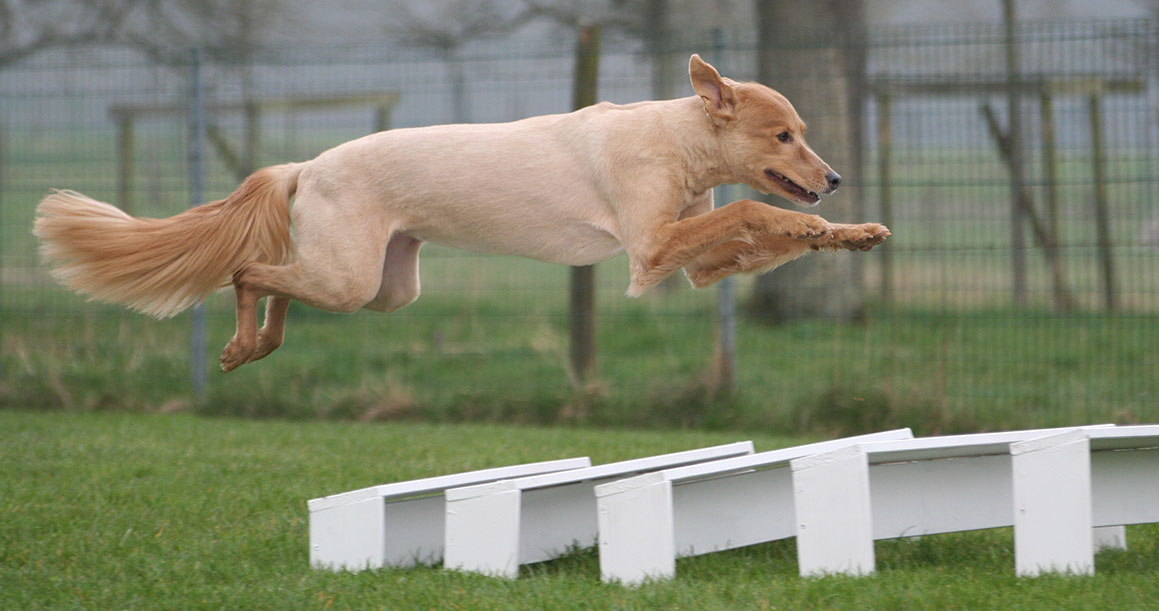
[1022, 278]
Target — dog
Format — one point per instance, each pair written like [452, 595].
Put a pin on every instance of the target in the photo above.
[573, 188]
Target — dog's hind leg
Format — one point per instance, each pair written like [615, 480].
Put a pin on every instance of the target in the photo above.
[333, 287]
[273, 330]
[340, 249]
[241, 347]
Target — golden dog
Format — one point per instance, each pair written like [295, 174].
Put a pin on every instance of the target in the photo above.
[573, 188]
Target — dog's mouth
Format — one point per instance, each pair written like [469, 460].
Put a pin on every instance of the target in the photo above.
[802, 195]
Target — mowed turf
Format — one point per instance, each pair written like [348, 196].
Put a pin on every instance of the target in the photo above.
[114, 510]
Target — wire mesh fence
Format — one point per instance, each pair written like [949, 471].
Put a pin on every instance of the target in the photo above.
[1020, 287]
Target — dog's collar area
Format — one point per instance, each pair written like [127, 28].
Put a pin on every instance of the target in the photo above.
[797, 191]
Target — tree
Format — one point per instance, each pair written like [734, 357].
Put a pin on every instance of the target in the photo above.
[445, 27]
[228, 31]
[28, 26]
[814, 53]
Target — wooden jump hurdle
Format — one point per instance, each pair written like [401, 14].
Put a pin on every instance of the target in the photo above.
[398, 524]
[495, 528]
[1055, 487]
[646, 522]
[1065, 492]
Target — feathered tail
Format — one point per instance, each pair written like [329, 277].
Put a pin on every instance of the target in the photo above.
[163, 266]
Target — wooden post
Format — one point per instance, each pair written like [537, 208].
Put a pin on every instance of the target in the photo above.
[583, 294]
[1024, 201]
[1062, 300]
[1050, 163]
[884, 178]
[1102, 213]
[1, 162]
[381, 118]
[1014, 109]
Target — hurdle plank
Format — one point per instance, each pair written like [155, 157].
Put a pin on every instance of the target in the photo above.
[494, 528]
[646, 522]
[398, 524]
[966, 482]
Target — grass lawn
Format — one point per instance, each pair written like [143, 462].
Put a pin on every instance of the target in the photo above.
[118, 510]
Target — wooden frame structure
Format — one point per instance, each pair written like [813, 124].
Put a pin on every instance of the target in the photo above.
[1045, 230]
[244, 162]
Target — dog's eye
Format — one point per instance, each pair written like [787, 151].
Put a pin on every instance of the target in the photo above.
[785, 137]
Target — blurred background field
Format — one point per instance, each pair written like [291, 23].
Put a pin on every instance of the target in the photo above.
[978, 314]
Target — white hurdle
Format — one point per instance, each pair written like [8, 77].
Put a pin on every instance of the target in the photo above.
[399, 524]
[495, 528]
[1066, 492]
[1067, 484]
[1055, 486]
[647, 521]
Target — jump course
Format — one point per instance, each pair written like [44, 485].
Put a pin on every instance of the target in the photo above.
[1066, 492]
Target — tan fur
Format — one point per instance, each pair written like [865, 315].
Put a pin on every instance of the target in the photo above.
[574, 188]
[163, 266]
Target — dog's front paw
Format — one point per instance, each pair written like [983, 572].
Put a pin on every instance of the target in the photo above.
[805, 227]
[859, 237]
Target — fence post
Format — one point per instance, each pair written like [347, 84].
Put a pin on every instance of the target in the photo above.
[1102, 215]
[724, 366]
[885, 180]
[1014, 109]
[583, 301]
[197, 133]
[2, 185]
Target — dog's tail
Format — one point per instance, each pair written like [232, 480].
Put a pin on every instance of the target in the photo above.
[163, 266]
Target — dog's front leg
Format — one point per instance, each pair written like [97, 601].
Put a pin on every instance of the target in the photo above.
[673, 245]
[767, 252]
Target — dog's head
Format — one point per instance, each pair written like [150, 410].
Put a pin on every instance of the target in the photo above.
[762, 137]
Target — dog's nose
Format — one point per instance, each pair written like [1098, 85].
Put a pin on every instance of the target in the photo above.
[834, 180]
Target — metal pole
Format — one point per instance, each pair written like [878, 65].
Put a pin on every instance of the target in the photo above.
[726, 290]
[885, 178]
[197, 133]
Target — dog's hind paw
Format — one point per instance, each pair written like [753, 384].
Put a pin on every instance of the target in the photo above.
[235, 355]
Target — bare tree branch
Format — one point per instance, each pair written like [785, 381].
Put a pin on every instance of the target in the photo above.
[445, 26]
[27, 27]
[627, 16]
[164, 30]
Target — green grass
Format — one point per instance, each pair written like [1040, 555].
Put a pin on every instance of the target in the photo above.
[174, 511]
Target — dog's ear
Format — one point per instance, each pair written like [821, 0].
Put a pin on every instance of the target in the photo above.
[719, 97]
